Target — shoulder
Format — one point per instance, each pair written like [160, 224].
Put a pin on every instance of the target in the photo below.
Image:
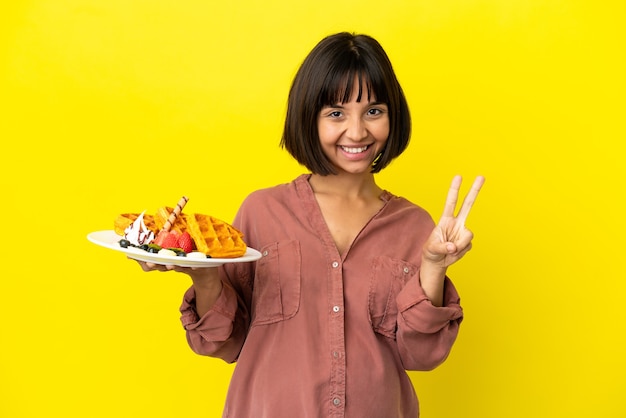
[274, 193]
[268, 210]
[398, 205]
[402, 218]
[273, 197]
[400, 213]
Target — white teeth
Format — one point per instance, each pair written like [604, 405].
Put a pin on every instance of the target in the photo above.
[352, 150]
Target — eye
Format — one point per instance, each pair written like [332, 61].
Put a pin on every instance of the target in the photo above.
[331, 112]
[377, 110]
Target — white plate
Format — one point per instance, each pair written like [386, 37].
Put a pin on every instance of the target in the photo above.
[109, 239]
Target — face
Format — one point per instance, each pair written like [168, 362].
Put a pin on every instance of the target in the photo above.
[352, 134]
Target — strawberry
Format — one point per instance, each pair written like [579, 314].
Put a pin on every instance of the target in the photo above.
[159, 238]
[167, 239]
[185, 242]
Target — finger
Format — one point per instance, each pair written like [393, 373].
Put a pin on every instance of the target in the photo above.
[142, 264]
[453, 195]
[185, 270]
[156, 267]
[461, 253]
[464, 241]
[466, 250]
[469, 200]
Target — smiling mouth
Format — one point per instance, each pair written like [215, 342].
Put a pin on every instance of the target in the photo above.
[354, 150]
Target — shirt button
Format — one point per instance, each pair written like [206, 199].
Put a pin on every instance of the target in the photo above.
[335, 354]
[264, 253]
[335, 264]
[406, 270]
[335, 308]
[336, 401]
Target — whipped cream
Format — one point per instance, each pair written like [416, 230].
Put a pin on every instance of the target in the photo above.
[197, 254]
[137, 233]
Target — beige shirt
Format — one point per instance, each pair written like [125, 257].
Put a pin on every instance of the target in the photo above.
[315, 334]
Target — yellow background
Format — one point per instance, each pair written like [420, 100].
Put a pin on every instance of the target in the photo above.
[114, 106]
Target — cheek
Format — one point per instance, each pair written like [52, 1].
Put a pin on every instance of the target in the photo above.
[381, 128]
[382, 132]
[326, 133]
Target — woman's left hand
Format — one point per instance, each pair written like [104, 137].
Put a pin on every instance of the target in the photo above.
[451, 240]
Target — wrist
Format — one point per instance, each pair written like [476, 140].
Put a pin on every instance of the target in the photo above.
[207, 286]
[206, 279]
[433, 268]
[432, 277]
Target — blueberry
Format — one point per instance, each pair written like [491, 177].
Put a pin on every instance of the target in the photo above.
[124, 243]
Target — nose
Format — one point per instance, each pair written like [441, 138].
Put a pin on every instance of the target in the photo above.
[356, 129]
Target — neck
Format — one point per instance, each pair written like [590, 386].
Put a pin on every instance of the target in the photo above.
[347, 186]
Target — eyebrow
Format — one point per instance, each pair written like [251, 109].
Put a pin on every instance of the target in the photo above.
[341, 105]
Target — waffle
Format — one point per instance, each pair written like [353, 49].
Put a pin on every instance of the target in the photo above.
[212, 236]
[215, 237]
[161, 216]
[124, 220]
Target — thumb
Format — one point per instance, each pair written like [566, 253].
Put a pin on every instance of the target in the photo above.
[442, 248]
[450, 247]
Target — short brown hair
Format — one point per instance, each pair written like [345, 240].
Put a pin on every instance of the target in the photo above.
[325, 78]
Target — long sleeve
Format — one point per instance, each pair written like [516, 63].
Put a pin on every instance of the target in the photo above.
[426, 333]
[222, 330]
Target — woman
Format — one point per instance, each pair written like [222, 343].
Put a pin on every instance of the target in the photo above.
[351, 290]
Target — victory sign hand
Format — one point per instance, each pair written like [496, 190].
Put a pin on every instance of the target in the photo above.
[451, 240]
